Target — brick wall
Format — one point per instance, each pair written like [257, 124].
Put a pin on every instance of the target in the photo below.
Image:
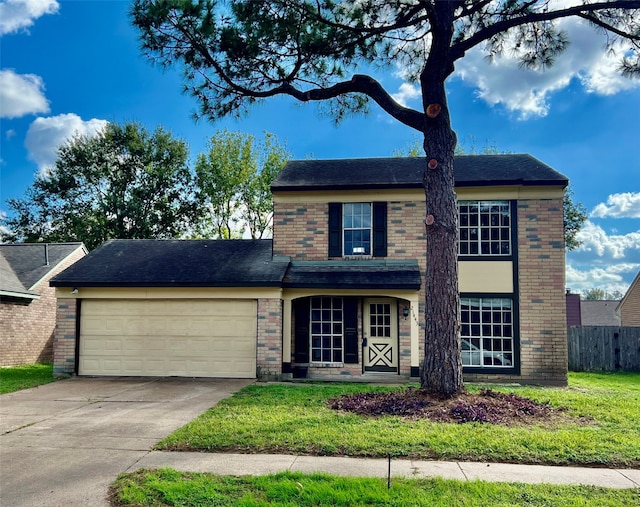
[28, 329]
[64, 343]
[269, 356]
[541, 279]
[300, 230]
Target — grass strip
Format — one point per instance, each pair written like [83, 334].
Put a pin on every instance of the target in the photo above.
[170, 488]
[16, 378]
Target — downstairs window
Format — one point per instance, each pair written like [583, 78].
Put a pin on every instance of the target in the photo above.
[487, 332]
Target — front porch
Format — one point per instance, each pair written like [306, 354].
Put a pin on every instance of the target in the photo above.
[345, 335]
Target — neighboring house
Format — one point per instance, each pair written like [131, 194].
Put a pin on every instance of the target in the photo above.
[629, 307]
[591, 312]
[339, 291]
[574, 312]
[27, 303]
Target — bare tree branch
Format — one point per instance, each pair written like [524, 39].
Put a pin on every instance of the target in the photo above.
[460, 48]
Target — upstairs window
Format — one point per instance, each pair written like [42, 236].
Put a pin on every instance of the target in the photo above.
[485, 228]
[356, 228]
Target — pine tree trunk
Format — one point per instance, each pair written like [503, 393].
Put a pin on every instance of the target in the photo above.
[442, 367]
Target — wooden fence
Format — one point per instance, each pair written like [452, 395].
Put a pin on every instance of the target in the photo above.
[604, 348]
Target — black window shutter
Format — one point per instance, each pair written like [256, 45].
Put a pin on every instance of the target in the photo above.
[350, 323]
[301, 332]
[379, 229]
[335, 229]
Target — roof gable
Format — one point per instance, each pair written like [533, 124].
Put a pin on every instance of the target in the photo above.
[407, 172]
[32, 262]
[176, 263]
[635, 285]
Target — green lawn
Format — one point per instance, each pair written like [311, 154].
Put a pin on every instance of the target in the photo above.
[168, 487]
[16, 378]
[295, 419]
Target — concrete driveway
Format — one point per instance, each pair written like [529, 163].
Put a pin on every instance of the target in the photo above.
[64, 443]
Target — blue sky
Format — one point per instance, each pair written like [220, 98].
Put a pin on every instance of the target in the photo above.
[71, 66]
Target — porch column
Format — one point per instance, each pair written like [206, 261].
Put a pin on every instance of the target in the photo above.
[415, 334]
[286, 335]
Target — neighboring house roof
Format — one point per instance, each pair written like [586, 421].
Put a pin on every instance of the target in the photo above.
[599, 313]
[407, 172]
[10, 285]
[24, 265]
[354, 274]
[177, 263]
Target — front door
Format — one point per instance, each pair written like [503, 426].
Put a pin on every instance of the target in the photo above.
[380, 352]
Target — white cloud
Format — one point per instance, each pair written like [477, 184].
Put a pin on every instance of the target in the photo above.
[21, 94]
[18, 14]
[46, 135]
[5, 232]
[596, 241]
[527, 91]
[625, 205]
[615, 278]
[406, 93]
[606, 261]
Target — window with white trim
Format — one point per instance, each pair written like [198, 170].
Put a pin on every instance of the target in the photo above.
[326, 330]
[487, 332]
[356, 227]
[485, 228]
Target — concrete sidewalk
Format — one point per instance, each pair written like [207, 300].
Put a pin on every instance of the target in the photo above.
[258, 464]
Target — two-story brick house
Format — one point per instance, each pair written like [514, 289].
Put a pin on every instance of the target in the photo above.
[355, 233]
[339, 290]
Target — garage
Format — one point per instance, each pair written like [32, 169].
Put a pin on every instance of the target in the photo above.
[179, 337]
[187, 308]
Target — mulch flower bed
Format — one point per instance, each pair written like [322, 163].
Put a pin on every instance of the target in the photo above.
[485, 407]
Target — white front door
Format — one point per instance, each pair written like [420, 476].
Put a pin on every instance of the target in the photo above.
[381, 335]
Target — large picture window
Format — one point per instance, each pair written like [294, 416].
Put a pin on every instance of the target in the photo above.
[487, 332]
[357, 228]
[485, 228]
[326, 330]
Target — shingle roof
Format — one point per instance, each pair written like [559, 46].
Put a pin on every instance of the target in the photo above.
[10, 285]
[353, 274]
[176, 263]
[407, 172]
[31, 262]
[599, 313]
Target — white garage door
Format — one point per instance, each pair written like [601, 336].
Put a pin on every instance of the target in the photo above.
[185, 338]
